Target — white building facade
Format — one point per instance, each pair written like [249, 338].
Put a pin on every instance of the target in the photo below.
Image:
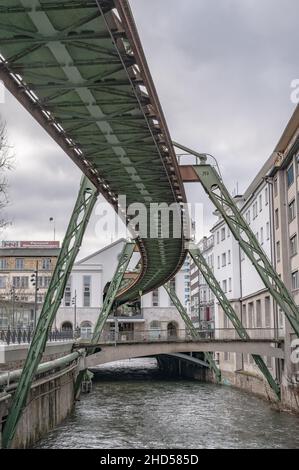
[83, 300]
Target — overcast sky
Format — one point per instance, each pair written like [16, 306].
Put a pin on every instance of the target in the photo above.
[222, 70]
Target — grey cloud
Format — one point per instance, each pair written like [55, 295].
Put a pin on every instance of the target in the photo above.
[222, 70]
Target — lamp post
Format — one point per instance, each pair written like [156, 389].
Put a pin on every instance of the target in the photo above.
[13, 298]
[51, 219]
[74, 303]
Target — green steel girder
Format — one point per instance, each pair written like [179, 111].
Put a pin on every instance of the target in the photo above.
[74, 76]
[248, 242]
[112, 291]
[228, 310]
[192, 330]
[85, 202]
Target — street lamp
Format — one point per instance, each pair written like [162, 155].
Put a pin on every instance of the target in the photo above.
[51, 219]
[34, 282]
[74, 303]
[13, 298]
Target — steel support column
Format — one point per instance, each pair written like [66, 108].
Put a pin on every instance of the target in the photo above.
[107, 304]
[112, 290]
[241, 231]
[192, 330]
[214, 285]
[68, 253]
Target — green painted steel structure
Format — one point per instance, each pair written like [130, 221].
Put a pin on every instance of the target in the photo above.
[113, 290]
[214, 285]
[192, 330]
[85, 202]
[248, 242]
[78, 67]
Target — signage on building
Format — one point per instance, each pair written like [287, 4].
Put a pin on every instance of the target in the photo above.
[29, 244]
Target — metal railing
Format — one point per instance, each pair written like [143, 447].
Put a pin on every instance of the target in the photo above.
[25, 335]
[156, 335]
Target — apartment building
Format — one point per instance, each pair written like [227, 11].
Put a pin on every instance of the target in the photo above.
[270, 206]
[285, 184]
[20, 261]
[202, 298]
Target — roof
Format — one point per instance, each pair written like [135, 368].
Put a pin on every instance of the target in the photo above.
[117, 242]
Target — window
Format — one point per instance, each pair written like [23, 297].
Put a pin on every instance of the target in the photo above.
[46, 264]
[20, 263]
[226, 356]
[242, 255]
[290, 175]
[295, 280]
[68, 293]
[44, 281]
[20, 282]
[247, 217]
[155, 298]
[268, 361]
[217, 237]
[258, 314]
[267, 312]
[250, 315]
[268, 230]
[229, 257]
[260, 202]
[244, 316]
[257, 236]
[254, 210]
[266, 196]
[275, 187]
[2, 282]
[223, 259]
[223, 234]
[3, 263]
[278, 252]
[276, 219]
[228, 233]
[218, 262]
[86, 291]
[291, 211]
[224, 286]
[262, 235]
[293, 245]
[230, 284]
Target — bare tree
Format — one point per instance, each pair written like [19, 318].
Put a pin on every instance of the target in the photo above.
[6, 164]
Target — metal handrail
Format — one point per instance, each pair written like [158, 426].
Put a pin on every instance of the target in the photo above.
[24, 335]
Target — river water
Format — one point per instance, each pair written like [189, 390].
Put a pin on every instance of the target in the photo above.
[131, 406]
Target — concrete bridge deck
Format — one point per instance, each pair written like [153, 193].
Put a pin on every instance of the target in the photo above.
[110, 352]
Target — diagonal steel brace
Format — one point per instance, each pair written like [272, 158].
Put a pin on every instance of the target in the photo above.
[85, 202]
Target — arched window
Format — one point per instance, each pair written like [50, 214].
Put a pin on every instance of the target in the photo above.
[66, 326]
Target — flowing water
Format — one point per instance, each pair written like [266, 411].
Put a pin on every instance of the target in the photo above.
[132, 406]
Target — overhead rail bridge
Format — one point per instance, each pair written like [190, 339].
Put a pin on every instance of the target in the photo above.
[78, 67]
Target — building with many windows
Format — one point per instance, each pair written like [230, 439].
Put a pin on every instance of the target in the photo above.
[21, 262]
[270, 207]
[85, 290]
